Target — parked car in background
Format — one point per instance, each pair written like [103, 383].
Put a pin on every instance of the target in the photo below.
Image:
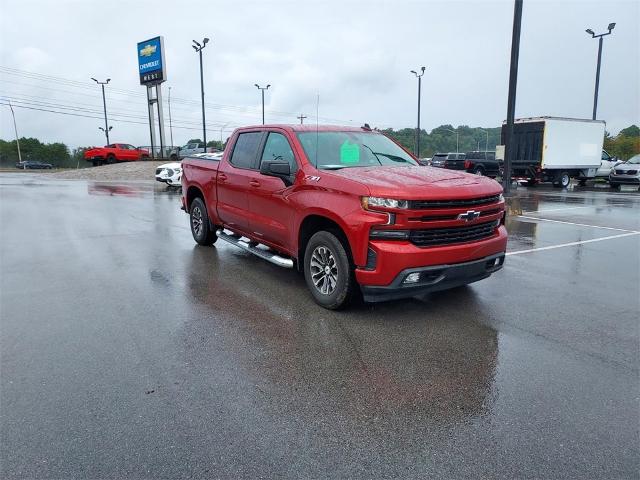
[33, 165]
[425, 162]
[626, 173]
[115, 152]
[190, 149]
[440, 159]
[477, 162]
[169, 173]
[607, 163]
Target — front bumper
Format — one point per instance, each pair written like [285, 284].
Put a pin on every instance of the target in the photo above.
[624, 179]
[172, 181]
[434, 278]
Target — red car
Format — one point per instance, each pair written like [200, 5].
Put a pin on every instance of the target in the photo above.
[350, 208]
[116, 152]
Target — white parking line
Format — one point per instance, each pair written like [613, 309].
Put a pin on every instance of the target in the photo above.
[559, 209]
[576, 224]
[571, 244]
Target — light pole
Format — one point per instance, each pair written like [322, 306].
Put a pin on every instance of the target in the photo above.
[419, 77]
[106, 132]
[16, 130]
[262, 89]
[486, 144]
[170, 126]
[104, 104]
[599, 37]
[457, 137]
[511, 99]
[198, 48]
[301, 118]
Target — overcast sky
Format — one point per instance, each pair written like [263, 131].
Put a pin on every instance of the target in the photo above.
[356, 55]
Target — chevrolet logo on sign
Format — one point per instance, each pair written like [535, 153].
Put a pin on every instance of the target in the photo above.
[469, 216]
[148, 50]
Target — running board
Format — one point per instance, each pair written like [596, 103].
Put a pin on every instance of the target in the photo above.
[259, 252]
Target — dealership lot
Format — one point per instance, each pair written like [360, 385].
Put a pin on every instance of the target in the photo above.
[128, 351]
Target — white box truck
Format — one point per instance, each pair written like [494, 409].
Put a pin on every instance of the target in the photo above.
[553, 149]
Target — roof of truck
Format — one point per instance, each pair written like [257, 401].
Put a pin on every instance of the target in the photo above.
[309, 128]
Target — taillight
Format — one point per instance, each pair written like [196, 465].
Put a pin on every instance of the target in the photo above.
[467, 164]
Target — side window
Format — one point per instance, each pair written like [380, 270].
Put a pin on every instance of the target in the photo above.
[277, 148]
[605, 156]
[245, 149]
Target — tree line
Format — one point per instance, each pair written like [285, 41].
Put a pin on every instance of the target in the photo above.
[441, 139]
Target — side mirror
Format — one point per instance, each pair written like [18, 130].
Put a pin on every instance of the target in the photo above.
[277, 169]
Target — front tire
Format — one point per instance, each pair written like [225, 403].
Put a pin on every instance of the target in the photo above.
[328, 271]
[111, 159]
[200, 225]
[478, 171]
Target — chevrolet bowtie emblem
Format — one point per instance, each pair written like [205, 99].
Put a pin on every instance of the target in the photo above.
[469, 216]
[148, 50]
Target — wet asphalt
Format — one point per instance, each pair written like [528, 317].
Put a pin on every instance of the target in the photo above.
[129, 352]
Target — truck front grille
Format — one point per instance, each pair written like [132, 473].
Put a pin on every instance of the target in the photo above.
[470, 202]
[447, 236]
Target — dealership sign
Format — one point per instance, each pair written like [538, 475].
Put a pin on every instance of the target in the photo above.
[151, 67]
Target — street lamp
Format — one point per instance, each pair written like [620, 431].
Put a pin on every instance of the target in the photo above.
[599, 37]
[419, 77]
[486, 145]
[104, 104]
[170, 125]
[106, 132]
[457, 136]
[15, 127]
[198, 48]
[262, 89]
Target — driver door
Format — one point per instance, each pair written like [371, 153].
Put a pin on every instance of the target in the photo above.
[270, 210]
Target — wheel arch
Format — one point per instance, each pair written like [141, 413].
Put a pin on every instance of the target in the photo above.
[316, 222]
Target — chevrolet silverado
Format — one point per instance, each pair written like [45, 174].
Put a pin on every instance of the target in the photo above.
[348, 207]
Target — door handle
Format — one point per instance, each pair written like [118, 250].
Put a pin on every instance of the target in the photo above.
[222, 177]
[254, 183]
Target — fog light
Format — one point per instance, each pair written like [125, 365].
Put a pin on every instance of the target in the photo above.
[412, 278]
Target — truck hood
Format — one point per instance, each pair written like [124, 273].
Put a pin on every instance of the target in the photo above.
[420, 183]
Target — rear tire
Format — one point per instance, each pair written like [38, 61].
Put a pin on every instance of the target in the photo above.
[200, 225]
[478, 171]
[563, 180]
[328, 271]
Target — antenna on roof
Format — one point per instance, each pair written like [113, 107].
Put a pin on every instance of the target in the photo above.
[317, 129]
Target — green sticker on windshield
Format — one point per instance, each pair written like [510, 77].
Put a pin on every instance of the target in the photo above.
[349, 152]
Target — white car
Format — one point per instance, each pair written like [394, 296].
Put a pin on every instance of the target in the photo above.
[169, 173]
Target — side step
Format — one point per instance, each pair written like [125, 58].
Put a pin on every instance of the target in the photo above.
[259, 252]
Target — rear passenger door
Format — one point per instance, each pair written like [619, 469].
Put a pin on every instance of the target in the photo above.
[233, 180]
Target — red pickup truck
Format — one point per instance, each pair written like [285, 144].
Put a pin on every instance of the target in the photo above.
[116, 152]
[349, 208]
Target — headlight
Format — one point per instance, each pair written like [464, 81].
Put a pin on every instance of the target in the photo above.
[501, 198]
[369, 203]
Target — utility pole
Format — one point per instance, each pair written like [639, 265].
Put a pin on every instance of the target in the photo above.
[104, 104]
[599, 37]
[301, 118]
[419, 77]
[16, 130]
[198, 48]
[511, 102]
[262, 89]
[170, 126]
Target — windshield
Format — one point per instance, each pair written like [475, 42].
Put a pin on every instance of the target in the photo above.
[635, 159]
[336, 150]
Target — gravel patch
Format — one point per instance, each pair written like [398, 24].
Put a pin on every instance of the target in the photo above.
[118, 171]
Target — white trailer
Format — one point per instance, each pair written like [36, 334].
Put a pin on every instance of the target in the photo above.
[556, 149]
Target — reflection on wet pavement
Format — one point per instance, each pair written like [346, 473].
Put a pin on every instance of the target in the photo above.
[127, 351]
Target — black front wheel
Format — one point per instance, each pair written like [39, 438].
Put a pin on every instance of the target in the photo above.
[200, 225]
[328, 271]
